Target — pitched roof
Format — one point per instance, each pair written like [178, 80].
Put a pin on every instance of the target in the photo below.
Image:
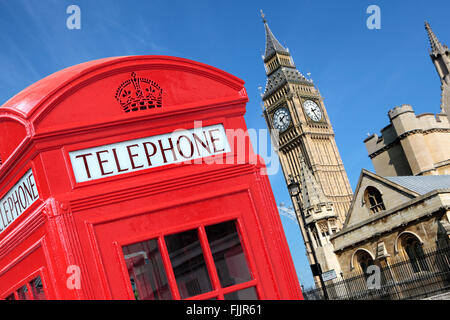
[272, 44]
[422, 184]
[281, 76]
[367, 174]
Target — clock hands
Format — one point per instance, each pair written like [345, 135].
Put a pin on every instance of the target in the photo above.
[281, 119]
[314, 111]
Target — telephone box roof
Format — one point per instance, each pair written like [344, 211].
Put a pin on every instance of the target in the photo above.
[106, 92]
[28, 101]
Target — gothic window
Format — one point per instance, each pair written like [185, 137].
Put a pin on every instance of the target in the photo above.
[316, 237]
[414, 251]
[373, 200]
[364, 260]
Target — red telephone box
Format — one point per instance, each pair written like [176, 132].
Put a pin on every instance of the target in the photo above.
[125, 178]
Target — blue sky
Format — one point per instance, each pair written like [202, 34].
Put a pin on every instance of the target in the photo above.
[361, 73]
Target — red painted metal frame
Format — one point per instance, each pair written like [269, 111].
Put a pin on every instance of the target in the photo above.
[86, 224]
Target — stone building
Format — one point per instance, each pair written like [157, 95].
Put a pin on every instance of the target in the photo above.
[403, 208]
[320, 219]
[416, 144]
[411, 144]
[393, 218]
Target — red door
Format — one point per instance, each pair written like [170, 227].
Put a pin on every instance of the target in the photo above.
[26, 277]
[185, 252]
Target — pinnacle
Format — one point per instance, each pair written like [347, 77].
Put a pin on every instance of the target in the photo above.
[436, 46]
[312, 192]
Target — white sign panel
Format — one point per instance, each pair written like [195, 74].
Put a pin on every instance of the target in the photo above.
[329, 275]
[139, 154]
[18, 199]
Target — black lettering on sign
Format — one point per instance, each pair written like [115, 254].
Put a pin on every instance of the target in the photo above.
[204, 144]
[154, 151]
[86, 166]
[163, 150]
[17, 200]
[102, 161]
[213, 140]
[133, 155]
[191, 145]
[147, 154]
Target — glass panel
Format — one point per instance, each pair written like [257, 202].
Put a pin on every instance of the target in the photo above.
[363, 267]
[244, 294]
[37, 289]
[228, 254]
[188, 263]
[146, 270]
[23, 293]
[421, 256]
[412, 258]
[10, 297]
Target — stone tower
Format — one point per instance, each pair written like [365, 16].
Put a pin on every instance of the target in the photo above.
[440, 55]
[320, 219]
[411, 144]
[416, 144]
[301, 130]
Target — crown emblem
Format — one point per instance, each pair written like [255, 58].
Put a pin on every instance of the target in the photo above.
[139, 94]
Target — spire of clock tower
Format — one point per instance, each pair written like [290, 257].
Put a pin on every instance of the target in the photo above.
[273, 46]
[279, 65]
[304, 139]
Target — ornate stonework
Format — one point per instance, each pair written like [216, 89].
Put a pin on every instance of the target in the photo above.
[411, 144]
[415, 208]
[440, 56]
[307, 149]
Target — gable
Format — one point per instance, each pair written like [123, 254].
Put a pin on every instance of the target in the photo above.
[392, 196]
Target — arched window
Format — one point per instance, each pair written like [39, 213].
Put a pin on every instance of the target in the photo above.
[373, 200]
[412, 248]
[364, 260]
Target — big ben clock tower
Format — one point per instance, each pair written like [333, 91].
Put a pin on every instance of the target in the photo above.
[296, 116]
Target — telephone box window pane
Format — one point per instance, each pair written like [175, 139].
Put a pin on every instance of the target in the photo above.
[23, 293]
[188, 263]
[146, 270]
[244, 294]
[37, 289]
[10, 297]
[228, 254]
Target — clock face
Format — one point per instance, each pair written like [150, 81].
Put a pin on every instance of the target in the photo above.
[281, 119]
[312, 110]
